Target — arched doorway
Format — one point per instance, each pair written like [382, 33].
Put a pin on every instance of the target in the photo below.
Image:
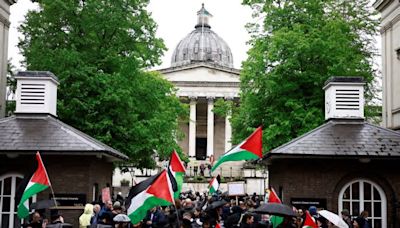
[362, 194]
[8, 206]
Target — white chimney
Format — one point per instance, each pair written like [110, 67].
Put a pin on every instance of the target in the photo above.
[344, 98]
[36, 92]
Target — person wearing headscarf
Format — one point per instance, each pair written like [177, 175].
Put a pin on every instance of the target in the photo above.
[84, 219]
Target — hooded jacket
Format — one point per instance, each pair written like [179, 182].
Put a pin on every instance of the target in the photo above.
[84, 219]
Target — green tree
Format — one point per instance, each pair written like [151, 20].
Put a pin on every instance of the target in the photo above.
[298, 45]
[100, 51]
[11, 87]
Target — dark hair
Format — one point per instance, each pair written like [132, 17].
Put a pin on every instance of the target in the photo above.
[360, 221]
[246, 217]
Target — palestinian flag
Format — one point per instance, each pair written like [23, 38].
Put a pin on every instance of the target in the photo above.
[214, 184]
[38, 182]
[178, 171]
[273, 198]
[249, 149]
[148, 194]
[309, 222]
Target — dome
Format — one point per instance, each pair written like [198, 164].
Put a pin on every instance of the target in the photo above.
[202, 45]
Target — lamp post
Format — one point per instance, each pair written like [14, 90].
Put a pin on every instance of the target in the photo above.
[132, 172]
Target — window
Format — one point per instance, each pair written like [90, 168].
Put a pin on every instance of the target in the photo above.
[8, 207]
[364, 195]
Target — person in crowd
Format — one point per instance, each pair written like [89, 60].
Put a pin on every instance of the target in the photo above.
[209, 167]
[105, 214]
[57, 221]
[321, 222]
[188, 221]
[95, 217]
[362, 220]
[155, 218]
[358, 222]
[56, 217]
[36, 221]
[233, 220]
[301, 214]
[226, 210]
[346, 217]
[202, 168]
[313, 211]
[247, 221]
[117, 209]
[288, 222]
[85, 218]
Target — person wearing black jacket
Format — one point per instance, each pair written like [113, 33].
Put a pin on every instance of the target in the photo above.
[155, 218]
[233, 220]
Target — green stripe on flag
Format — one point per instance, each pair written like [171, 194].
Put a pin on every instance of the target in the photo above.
[212, 190]
[237, 156]
[179, 180]
[138, 215]
[276, 220]
[23, 212]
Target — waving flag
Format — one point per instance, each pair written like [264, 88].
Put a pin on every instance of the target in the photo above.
[309, 222]
[38, 182]
[273, 198]
[214, 184]
[154, 192]
[178, 171]
[249, 149]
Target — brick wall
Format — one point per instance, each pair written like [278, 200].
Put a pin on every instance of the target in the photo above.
[324, 178]
[68, 174]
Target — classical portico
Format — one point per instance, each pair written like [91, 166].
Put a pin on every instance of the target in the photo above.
[202, 71]
[206, 134]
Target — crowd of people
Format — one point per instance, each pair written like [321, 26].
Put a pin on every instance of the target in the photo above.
[196, 210]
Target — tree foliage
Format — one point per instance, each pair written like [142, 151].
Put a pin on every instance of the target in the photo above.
[11, 87]
[100, 51]
[298, 45]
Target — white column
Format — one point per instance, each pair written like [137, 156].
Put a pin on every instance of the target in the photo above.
[210, 126]
[4, 27]
[192, 127]
[228, 130]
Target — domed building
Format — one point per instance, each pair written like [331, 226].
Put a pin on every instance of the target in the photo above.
[202, 70]
[202, 45]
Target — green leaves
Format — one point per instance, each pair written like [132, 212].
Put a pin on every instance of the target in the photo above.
[303, 44]
[100, 51]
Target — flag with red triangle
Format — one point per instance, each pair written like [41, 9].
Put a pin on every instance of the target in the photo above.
[273, 198]
[155, 191]
[214, 184]
[249, 149]
[38, 182]
[178, 171]
[309, 222]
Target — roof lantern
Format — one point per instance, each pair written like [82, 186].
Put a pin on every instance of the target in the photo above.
[36, 92]
[344, 98]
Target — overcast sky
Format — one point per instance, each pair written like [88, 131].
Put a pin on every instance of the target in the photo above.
[175, 19]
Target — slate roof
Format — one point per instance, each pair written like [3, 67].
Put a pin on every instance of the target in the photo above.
[342, 138]
[36, 74]
[40, 132]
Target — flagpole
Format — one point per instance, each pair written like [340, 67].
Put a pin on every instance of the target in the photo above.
[48, 179]
[177, 215]
[54, 197]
